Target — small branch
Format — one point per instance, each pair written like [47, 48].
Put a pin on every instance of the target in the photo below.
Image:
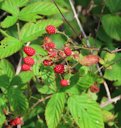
[78, 22]
[113, 100]
[4, 14]
[39, 101]
[18, 69]
[18, 126]
[105, 84]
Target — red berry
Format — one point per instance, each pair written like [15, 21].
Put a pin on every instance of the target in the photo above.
[29, 50]
[25, 67]
[64, 82]
[16, 121]
[67, 51]
[50, 29]
[47, 62]
[59, 69]
[94, 89]
[28, 60]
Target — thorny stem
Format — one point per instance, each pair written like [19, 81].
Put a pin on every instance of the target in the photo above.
[113, 100]
[39, 101]
[79, 23]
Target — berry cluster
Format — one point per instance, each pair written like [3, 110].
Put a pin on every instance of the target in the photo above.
[28, 60]
[55, 55]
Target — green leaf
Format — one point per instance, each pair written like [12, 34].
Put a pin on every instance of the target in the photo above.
[54, 109]
[87, 80]
[39, 49]
[18, 102]
[112, 26]
[9, 46]
[43, 8]
[48, 76]
[4, 81]
[44, 89]
[114, 73]
[31, 31]
[9, 21]
[10, 6]
[6, 68]
[2, 118]
[85, 111]
[113, 5]
[22, 78]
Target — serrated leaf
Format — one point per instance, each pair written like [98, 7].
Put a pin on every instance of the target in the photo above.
[9, 46]
[17, 100]
[54, 109]
[31, 31]
[112, 26]
[85, 111]
[4, 81]
[22, 78]
[48, 76]
[2, 118]
[9, 21]
[6, 68]
[43, 8]
[10, 6]
[113, 5]
[87, 80]
[39, 49]
[44, 89]
[114, 73]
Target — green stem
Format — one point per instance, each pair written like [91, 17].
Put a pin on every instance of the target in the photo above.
[4, 33]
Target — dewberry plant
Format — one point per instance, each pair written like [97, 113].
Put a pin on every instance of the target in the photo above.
[60, 64]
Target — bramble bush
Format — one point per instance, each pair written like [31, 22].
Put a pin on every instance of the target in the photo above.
[60, 64]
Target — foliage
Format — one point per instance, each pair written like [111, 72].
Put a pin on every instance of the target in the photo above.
[36, 96]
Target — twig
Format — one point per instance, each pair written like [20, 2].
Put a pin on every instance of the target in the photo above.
[4, 14]
[79, 23]
[113, 100]
[18, 69]
[65, 19]
[39, 101]
[88, 44]
[18, 126]
[105, 84]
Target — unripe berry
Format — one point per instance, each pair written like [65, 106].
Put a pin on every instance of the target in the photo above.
[47, 62]
[29, 50]
[49, 46]
[25, 67]
[59, 69]
[67, 51]
[47, 39]
[64, 82]
[61, 54]
[90, 60]
[28, 60]
[50, 29]
[94, 89]
[52, 53]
